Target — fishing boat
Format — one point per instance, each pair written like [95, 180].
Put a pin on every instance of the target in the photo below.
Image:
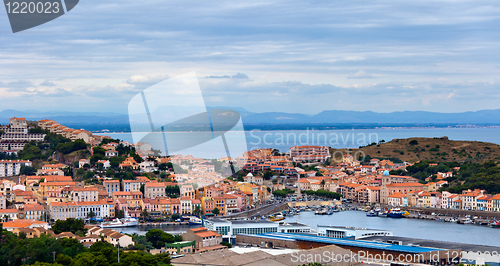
[395, 213]
[371, 214]
[195, 221]
[495, 224]
[125, 222]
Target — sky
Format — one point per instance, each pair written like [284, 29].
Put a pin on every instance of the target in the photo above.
[264, 56]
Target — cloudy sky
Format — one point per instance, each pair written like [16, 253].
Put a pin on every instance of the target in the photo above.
[290, 56]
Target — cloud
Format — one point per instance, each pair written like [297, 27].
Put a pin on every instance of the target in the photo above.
[360, 75]
[58, 92]
[47, 83]
[237, 76]
[18, 85]
[146, 79]
[218, 77]
[305, 56]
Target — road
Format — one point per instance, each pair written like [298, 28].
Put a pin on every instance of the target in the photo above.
[255, 212]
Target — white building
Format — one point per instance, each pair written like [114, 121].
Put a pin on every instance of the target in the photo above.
[296, 228]
[350, 232]
[83, 162]
[105, 163]
[229, 229]
[12, 167]
[132, 185]
[80, 210]
[82, 194]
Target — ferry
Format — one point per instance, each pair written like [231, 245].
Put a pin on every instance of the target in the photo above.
[195, 221]
[125, 222]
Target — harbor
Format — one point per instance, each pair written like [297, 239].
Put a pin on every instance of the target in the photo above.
[414, 228]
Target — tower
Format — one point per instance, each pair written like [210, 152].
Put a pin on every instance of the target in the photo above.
[384, 191]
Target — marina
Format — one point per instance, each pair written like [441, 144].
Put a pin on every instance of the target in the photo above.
[414, 228]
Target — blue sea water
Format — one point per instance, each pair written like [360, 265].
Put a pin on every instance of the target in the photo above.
[283, 140]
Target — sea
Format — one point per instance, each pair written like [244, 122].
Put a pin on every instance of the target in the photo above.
[284, 139]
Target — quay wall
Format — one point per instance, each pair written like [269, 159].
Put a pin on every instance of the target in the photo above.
[451, 212]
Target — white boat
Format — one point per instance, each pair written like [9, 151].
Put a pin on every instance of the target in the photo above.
[125, 222]
[195, 220]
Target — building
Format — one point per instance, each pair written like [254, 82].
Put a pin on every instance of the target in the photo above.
[111, 186]
[389, 187]
[285, 227]
[132, 185]
[203, 238]
[309, 154]
[350, 232]
[79, 194]
[252, 256]
[24, 223]
[182, 247]
[154, 189]
[229, 229]
[412, 254]
[80, 210]
[34, 212]
[12, 167]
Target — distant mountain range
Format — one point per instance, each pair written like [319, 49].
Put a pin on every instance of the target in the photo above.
[278, 120]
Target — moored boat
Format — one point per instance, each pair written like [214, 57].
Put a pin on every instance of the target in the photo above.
[495, 224]
[395, 213]
[125, 222]
[277, 218]
[195, 221]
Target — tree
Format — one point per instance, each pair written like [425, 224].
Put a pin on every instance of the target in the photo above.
[158, 238]
[173, 191]
[163, 166]
[197, 210]
[177, 238]
[228, 245]
[26, 170]
[216, 211]
[413, 142]
[120, 214]
[31, 152]
[69, 225]
[91, 215]
[144, 215]
[267, 175]
[283, 193]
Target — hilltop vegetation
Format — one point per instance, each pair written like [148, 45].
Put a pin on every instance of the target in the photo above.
[478, 161]
[474, 175]
[430, 149]
[40, 251]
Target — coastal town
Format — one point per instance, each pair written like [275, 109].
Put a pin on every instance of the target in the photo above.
[109, 183]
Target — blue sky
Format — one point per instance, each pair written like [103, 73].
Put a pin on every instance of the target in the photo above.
[290, 56]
